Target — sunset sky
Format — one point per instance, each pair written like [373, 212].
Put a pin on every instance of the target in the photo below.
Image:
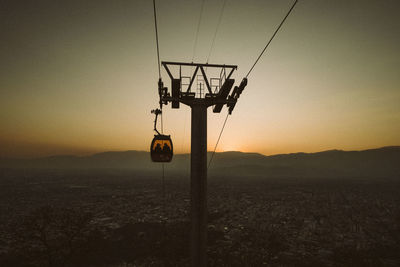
[79, 77]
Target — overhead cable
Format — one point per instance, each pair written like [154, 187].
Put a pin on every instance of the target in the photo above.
[158, 49]
[270, 40]
[219, 137]
[216, 30]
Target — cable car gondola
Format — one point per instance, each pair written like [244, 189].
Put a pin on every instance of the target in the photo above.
[161, 149]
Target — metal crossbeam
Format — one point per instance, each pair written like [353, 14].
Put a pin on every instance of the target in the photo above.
[209, 99]
[172, 63]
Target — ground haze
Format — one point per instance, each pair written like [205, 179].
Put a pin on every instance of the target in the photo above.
[289, 210]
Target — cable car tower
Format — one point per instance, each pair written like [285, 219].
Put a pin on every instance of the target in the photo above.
[218, 93]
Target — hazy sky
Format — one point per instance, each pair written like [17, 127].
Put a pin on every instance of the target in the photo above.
[80, 77]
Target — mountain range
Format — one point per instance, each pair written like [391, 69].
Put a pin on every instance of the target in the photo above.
[380, 162]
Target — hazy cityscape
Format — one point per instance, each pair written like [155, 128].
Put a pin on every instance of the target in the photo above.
[119, 216]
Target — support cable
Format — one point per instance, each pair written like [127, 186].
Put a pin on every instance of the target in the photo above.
[158, 48]
[193, 53]
[162, 129]
[163, 178]
[198, 29]
[270, 40]
[219, 137]
[262, 52]
[216, 30]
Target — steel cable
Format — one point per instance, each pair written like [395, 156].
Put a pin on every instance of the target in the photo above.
[216, 30]
[219, 137]
[270, 40]
[158, 49]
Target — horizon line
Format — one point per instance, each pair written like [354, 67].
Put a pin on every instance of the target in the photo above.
[228, 151]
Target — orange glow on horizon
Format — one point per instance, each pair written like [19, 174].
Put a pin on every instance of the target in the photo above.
[79, 90]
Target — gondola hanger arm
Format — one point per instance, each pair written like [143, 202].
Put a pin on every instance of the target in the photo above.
[157, 112]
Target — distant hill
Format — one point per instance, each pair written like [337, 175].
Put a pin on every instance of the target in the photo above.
[380, 162]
